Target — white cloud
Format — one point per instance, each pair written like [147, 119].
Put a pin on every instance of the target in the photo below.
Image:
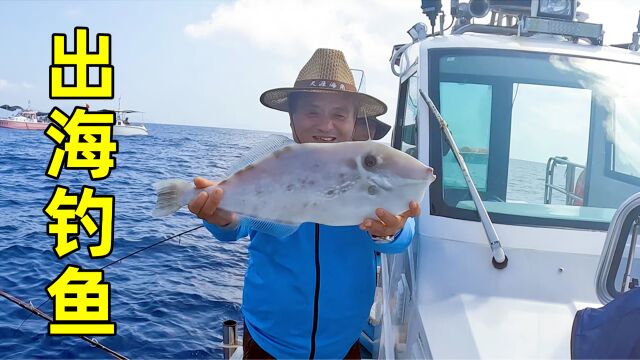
[282, 34]
[6, 84]
[288, 31]
[73, 13]
[290, 27]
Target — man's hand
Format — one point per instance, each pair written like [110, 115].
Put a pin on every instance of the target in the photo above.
[205, 206]
[387, 223]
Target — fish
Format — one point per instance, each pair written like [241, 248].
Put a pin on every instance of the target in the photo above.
[337, 184]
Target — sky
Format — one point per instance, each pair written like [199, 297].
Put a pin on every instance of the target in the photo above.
[207, 62]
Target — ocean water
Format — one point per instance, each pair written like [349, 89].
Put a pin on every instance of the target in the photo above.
[168, 301]
[525, 180]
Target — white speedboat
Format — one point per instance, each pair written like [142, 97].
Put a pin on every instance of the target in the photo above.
[125, 128]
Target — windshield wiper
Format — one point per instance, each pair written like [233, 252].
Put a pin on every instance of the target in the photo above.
[500, 259]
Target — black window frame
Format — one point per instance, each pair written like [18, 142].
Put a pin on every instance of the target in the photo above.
[401, 108]
[610, 153]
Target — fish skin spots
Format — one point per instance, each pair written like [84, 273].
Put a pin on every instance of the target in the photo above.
[276, 154]
[352, 164]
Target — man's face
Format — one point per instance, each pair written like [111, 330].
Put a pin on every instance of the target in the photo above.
[323, 117]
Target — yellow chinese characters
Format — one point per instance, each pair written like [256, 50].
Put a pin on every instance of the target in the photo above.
[83, 141]
[81, 59]
[80, 138]
[81, 304]
[66, 209]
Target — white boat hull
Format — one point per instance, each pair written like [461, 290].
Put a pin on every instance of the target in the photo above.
[129, 130]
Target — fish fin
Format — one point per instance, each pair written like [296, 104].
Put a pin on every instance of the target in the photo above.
[270, 227]
[172, 195]
[260, 151]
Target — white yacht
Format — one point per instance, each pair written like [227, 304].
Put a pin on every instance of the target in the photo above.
[125, 128]
[26, 119]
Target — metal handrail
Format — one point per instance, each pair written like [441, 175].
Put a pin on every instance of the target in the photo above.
[570, 176]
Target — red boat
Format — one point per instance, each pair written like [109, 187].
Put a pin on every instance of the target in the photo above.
[25, 120]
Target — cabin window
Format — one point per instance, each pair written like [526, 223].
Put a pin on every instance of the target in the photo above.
[472, 137]
[557, 129]
[538, 132]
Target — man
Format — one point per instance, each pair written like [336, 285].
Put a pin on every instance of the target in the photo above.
[308, 295]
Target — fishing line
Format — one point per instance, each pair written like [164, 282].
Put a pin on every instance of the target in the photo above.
[45, 316]
[111, 263]
[366, 122]
[152, 245]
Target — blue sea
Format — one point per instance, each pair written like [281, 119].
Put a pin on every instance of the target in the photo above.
[168, 301]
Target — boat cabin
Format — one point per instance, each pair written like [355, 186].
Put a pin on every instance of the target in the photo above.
[547, 121]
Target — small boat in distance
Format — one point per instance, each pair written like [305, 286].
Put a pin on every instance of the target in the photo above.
[125, 128]
[26, 119]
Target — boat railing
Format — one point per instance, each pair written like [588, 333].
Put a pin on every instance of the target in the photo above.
[620, 252]
[570, 180]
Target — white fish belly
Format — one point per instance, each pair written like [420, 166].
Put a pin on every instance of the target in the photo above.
[306, 185]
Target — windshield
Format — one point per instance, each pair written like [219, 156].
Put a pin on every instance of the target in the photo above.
[548, 139]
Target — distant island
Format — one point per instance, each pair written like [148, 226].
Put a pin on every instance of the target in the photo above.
[473, 150]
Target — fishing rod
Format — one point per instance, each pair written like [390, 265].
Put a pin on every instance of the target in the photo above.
[37, 311]
[500, 259]
[34, 310]
[152, 245]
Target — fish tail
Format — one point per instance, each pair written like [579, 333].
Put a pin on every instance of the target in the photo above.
[172, 195]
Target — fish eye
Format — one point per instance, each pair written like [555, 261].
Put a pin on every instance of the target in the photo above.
[372, 190]
[370, 161]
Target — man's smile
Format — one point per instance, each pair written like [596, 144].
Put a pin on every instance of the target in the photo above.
[324, 138]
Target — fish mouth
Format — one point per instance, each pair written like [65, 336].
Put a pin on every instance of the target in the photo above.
[324, 139]
[421, 174]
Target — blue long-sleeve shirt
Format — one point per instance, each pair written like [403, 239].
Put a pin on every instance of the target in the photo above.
[309, 294]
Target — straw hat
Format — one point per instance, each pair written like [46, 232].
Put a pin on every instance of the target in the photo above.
[326, 71]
